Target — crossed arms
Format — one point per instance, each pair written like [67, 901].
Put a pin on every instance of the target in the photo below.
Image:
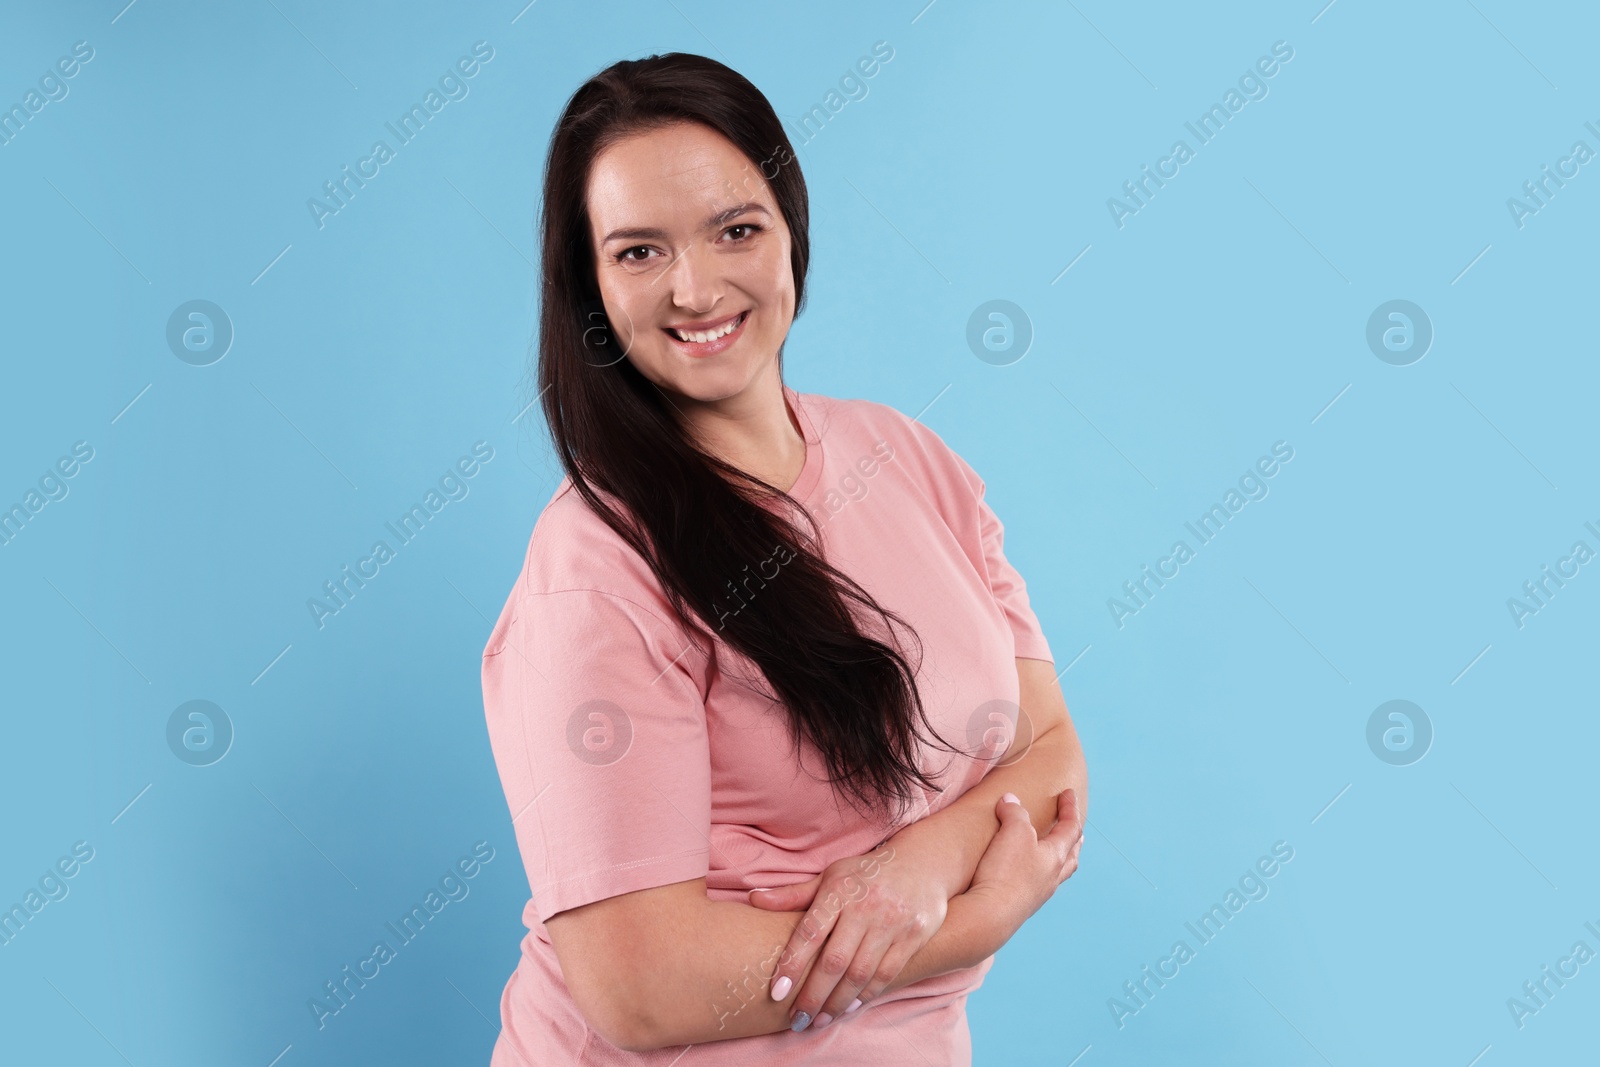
[668, 966]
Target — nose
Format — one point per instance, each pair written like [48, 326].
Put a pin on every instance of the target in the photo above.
[695, 279]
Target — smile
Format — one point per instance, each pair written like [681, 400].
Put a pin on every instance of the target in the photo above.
[712, 339]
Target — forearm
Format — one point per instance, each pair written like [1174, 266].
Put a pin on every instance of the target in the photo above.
[954, 838]
[705, 975]
[973, 930]
[714, 984]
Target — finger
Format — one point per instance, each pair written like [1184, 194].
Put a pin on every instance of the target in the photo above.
[893, 962]
[1069, 809]
[809, 936]
[870, 954]
[786, 898]
[833, 959]
[1071, 867]
[1069, 820]
[1012, 814]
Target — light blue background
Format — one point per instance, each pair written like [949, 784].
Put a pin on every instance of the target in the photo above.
[1223, 317]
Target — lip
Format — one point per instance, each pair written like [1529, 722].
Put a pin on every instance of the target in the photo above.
[708, 324]
[709, 348]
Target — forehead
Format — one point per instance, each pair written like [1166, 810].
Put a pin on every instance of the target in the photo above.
[673, 178]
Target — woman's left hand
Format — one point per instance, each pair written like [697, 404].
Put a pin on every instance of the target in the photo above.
[866, 916]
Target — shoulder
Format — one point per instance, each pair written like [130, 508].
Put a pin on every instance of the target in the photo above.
[901, 441]
[572, 550]
[855, 416]
[871, 422]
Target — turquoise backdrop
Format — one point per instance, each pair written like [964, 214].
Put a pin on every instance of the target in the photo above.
[1340, 346]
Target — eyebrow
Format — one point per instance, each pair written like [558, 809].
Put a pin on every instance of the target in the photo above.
[652, 233]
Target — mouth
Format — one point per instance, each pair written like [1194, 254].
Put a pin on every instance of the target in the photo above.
[709, 338]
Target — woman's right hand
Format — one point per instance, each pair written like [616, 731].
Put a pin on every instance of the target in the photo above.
[1021, 870]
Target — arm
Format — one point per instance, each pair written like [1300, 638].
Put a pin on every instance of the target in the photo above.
[1017, 874]
[667, 966]
[1044, 759]
[934, 860]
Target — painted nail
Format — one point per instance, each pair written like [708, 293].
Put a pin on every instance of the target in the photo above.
[781, 987]
[822, 1020]
[1010, 798]
[854, 1004]
[801, 1021]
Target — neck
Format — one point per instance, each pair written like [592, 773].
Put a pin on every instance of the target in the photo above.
[753, 431]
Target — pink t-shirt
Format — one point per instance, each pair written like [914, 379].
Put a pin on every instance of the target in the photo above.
[630, 759]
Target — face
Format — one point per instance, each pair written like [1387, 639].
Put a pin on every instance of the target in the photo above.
[692, 259]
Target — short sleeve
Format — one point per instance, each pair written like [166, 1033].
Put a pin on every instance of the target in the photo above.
[599, 733]
[1009, 590]
[959, 489]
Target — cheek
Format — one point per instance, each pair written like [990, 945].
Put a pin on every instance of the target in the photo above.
[622, 311]
[774, 279]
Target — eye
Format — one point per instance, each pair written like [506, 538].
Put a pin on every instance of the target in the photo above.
[626, 255]
[749, 226]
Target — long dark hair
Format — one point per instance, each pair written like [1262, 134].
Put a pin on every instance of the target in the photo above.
[824, 645]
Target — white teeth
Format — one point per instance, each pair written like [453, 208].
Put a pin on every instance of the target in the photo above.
[701, 337]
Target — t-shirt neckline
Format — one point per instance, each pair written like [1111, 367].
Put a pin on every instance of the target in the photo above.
[811, 470]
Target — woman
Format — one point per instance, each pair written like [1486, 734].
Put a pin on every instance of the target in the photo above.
[756, 697]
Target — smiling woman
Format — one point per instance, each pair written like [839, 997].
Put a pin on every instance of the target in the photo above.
[721, 283]
[742, 823]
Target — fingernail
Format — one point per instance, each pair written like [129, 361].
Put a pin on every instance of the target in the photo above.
[822, 1020]
[854, 1004]
[801, 1021]
[781, 987]
[1011, 798]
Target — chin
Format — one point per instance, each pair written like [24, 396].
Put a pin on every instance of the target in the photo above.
[708, 383]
